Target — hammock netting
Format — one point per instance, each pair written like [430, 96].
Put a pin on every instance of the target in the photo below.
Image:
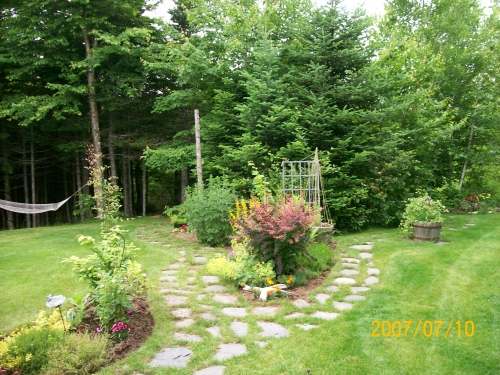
[29, 208]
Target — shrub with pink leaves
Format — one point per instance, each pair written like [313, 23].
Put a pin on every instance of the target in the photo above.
[279, 231]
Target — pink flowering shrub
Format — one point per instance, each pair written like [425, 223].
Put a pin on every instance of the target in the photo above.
[279, 231]
[119, 330]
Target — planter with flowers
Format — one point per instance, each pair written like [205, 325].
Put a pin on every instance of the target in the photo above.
[423, 218]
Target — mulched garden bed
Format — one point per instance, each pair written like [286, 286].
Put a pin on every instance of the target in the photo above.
[140, 322]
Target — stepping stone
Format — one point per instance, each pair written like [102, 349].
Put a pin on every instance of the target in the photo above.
[333, 288]
[214, 331]
[301, 303]
[172, 300]
[172, 357]
[205, 307]
[235, 312]
[227, 351]
[359, 289]
[354, 298]
[369, 243]
[295, 315]
[365, 255]
[342, 306]
[174, 291]
[201, 297]
[261, 344]
[170, 273]
[174, 266]
[184, 323]
[373, 271]
[240, 329]
[324, 315]
[182, 253]
[199, 260]
[208, 316]
[210, 279]
[192, 272]
[212, 370]
[371, 280]
[265, 310]
[272, 330]
[364, 247]
[344, 281]
[350, 260]
[322, 298]
[226, 299]
[180, 336]
[354, 266]
[182, 313]
[215, 288]
[349, 273]
[168, 279]
[306, 327]
[191, 280]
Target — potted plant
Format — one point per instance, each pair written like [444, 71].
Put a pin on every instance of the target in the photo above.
[423, 218]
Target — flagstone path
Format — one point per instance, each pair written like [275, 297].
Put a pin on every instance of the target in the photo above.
[204, 310]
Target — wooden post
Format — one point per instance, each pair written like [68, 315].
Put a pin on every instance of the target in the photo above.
[33, 184]
[184, 183]
[199, 162]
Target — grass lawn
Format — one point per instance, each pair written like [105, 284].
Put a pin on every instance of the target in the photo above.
[419, 281]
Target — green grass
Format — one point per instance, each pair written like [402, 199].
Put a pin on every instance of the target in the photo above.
[419, 281]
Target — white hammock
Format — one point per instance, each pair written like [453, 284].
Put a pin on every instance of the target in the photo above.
[32, 208]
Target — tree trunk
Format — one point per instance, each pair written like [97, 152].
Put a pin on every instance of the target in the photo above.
[25, 183]
[67, 207]
[33, 185]
[130, 185]
[469, 146]
[6, 186]
[144, 189]
[199, 162]
[126, 187]
[94, 122]
[78, 170]
[184, 183]
[111, 150]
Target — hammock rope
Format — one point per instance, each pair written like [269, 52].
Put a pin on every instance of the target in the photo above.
[33, 208]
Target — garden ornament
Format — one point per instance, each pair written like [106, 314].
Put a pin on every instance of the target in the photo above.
[55, 302]
[265, 293]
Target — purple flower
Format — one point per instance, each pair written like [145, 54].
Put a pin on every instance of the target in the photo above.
[98, 330]
[119, 326]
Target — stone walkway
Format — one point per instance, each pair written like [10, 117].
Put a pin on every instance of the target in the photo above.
[209, 314]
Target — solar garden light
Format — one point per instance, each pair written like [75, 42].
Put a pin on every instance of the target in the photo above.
[55, 302]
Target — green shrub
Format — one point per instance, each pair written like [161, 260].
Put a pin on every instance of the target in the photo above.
[320, 257]
[422, 209]
[77, 354]
[177, 215]
[207, 212]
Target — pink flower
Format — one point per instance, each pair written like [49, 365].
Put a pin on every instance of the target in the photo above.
[119, 327]
[98, 330]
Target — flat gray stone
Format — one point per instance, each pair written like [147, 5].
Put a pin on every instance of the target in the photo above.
[172, 357]
[214, 331]
[181, 336]
[350, 260]
[322, 298]
[215, 288]
[270, 329]
[353, 266]
[208, 316]
[201, 297]
[235, 312]
[324, 315]
[371, 280]
[212, 370]
[265, 310]
[359, 289]
[227, 351]
[332, 288]
[184, 323]
[168, 279]
[295, 315]
[191, 280]
[175, 291]
[172, 300]
[226, 299]
[344, 281]
[261, 344]
[342, 306]
[354, 298]
[199, 260]
[365, 255]
[174, 266]
[301, 303]
[182, 313]
[306, 327]
[169, 273]
[210, 279]
[349, 273]
[240, 329]
[182, 253]
[364, 247]
[373, 271]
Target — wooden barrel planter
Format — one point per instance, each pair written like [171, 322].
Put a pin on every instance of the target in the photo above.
[426, 231]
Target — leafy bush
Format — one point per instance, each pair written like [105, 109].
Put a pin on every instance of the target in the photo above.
[77, 354]
[177, 215]
[207, 212]
[422, 209]
[115, 279]
[279, 231]
[243, 269]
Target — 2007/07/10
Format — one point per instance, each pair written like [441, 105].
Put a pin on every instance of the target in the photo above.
[425, 328]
